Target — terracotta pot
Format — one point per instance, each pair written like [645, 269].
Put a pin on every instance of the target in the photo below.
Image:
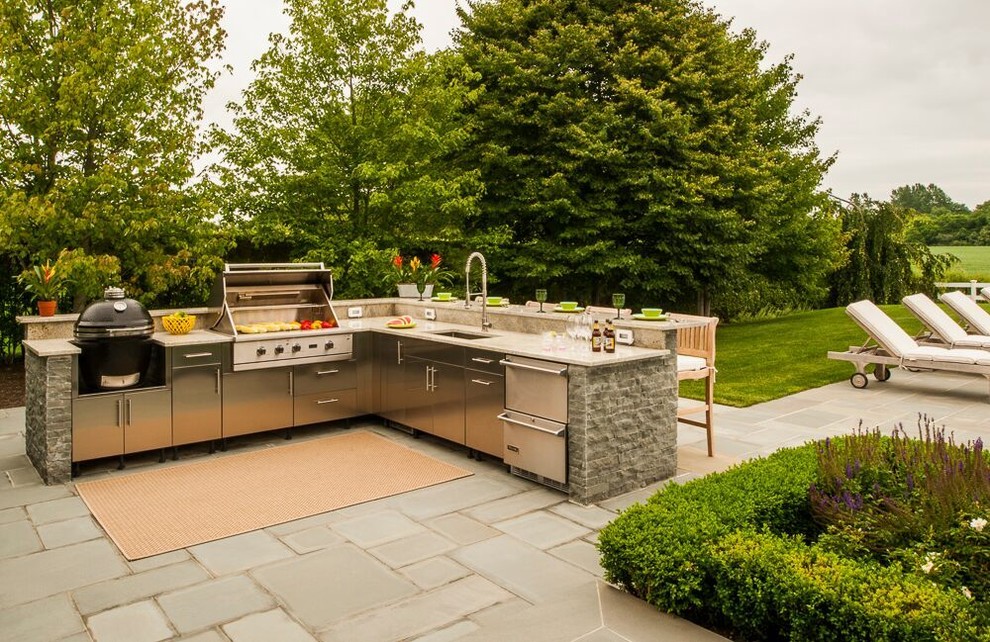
[47, 308]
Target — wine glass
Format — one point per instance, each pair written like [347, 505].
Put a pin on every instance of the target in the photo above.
[421, 287]
[618, 300]
[572, 329]
[541, 296]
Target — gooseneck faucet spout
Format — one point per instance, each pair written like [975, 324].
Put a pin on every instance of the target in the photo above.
[485, 323]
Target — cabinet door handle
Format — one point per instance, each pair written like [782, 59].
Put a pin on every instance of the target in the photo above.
[482, 360]
[482, 382]
[323, 401]
[217, 389]
[128, 422]
[398, 352]
[198, 355]
[323, 372]
[428, 384]
[290, 382]
[120, 413]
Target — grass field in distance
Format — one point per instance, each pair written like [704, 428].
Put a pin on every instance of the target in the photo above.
[974, 260]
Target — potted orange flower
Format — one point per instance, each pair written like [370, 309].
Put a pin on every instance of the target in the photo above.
[47, 284]
[415, 278]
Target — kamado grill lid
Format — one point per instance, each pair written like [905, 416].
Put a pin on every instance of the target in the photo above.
[114, 316]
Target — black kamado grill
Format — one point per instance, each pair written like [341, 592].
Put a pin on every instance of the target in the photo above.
[115, 338]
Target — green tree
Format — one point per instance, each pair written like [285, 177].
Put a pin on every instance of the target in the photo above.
[645, 147]
[925, 199]
[99, 104]
[337, 146]
[883, 263]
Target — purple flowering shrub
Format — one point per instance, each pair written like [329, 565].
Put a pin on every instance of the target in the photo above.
[921, 503]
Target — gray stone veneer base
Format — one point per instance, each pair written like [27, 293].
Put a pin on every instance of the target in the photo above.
[48, 415]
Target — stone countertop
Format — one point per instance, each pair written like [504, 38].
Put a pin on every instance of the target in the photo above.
[51, 347]
[515, 343]
[196, 337]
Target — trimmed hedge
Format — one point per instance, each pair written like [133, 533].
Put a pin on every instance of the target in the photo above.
[735, 551]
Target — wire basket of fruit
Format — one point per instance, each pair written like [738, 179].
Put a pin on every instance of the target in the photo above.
[178, 323]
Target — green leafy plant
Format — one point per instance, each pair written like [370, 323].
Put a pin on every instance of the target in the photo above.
[45, 282]
[416, 271]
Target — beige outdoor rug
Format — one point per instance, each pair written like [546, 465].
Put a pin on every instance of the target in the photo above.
[162, 510]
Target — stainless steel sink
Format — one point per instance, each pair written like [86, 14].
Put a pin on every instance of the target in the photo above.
[461, 334]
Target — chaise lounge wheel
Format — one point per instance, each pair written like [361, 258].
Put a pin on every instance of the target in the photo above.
[858, 380]
[881, 372]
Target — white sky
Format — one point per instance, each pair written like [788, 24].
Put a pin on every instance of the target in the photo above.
[902, 87]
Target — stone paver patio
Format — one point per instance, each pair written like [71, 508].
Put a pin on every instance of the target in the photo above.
[488, 557]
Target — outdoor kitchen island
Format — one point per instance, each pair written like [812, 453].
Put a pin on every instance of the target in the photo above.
[620, 428]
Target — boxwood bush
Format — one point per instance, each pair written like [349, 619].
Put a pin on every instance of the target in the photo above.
[737, 551]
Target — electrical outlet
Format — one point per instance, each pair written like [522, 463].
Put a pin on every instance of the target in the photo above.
[430, 314]
[355, 325]
[354, 313]
[624, 337]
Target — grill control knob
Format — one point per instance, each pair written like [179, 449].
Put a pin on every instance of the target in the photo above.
[279, 349]
[296, 347]
[328, 345]
[262, 351]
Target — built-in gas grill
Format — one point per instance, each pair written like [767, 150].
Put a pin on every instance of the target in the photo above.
[279, 314]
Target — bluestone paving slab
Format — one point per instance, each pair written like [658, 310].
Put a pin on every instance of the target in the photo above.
[30, 577]
[11, 444]
[312, 539]
[70, 531]
[542, 529]
[528, 572]
[434, 572]
[573, 613]
[412, 549]
[51, 618]
[269, 626]
[461, 528]
[454, 496]
[206, 636]
[421, 613]
[138, 622]
[10, 462]
[31, 495]
[18, 538]
[515, 505]
[157, 561]
[57, 510]
[323, 587]
[603, 635]
[8, 515]
[593, 517]
[127, 589]
[214, 602]
[455, 631]
[582, 554]
[297, 525]
[636, 620]
[20, 477]
[377, 528]
[78, 637]
[240, 552]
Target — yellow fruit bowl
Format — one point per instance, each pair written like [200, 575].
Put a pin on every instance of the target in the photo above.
[179, 325]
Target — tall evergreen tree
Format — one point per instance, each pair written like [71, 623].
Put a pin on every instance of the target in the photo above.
[642, 146]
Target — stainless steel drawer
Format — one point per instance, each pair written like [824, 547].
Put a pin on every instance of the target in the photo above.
[200, 354]
[484, 360]
[321, 377]
[536, 387]
[535, 445]
[324, 406]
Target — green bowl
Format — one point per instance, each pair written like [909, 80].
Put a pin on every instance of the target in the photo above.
[443, 296]
[652, 313]
[568, 305]
[494, 300]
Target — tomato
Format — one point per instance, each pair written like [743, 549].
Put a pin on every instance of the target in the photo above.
[305, 324]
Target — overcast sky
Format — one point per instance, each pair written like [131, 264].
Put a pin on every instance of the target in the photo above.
[902, 87]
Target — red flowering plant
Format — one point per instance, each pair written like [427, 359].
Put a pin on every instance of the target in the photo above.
[416, 271]
[45, 282]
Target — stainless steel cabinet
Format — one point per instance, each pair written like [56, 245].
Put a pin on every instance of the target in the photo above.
[392, 400]
[484, 399]
[197, 410]
[324, 392]
[435, 398]
[104, 425]
[257, 400]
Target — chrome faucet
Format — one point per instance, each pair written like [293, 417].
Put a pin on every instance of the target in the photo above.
[485, 323]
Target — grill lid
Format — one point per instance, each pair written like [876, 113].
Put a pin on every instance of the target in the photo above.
[114, 316]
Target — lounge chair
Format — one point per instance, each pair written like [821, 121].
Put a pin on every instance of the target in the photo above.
[969, 310]
[941, 326]
[985, 293]
[893, 347]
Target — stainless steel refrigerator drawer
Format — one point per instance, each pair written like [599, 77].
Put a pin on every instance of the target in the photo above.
[534, 444]
[536, 387]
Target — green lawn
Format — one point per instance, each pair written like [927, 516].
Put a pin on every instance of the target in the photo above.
[974, 260]
[762, 360]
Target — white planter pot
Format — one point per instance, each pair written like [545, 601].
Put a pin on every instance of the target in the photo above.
[409, 291]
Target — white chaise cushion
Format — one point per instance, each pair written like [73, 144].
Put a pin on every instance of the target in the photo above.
[934, 318]
[977, 318]
[686, 363]
[973, 341]
[881, 327]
